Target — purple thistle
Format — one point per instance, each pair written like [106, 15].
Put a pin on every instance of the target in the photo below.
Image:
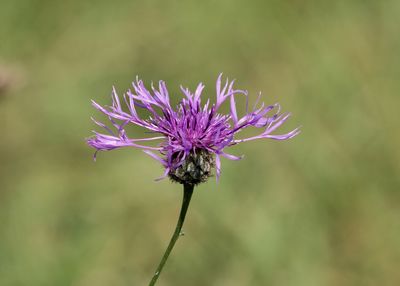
[192, 135]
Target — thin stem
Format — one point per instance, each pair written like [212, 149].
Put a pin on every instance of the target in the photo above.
[187, 195]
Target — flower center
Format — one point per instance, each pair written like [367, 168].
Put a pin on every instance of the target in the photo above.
[195, 169]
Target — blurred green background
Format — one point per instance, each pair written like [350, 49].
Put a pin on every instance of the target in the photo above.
[321, 209]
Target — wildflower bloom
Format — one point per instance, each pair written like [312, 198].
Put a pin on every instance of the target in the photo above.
[193, 136]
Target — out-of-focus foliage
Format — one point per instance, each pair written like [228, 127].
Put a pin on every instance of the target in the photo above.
[321, 209]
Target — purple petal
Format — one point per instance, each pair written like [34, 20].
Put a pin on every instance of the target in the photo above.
[156, 157]
[231, 157]
[218, 166]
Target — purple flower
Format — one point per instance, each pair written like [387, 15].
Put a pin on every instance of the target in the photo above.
[193, 137]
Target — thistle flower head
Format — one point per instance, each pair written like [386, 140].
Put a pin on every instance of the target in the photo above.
[192, 137]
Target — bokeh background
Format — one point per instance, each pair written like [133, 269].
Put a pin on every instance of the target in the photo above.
[320, 209]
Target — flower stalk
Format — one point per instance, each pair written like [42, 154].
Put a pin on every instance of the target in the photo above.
[187, 195]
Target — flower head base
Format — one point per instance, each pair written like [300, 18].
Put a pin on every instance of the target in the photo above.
[195, 169]
[194, 136]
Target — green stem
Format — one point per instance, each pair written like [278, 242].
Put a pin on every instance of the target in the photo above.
[187, 195]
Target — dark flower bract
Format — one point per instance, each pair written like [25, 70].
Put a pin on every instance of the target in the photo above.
[193, 136]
